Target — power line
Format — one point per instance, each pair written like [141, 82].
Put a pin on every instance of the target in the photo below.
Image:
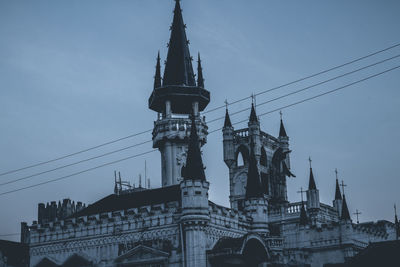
[263, 114]
[316, 96]
[76, 173]
[308, 87]
[233, 113]
[307, 77]
[75, 153]
[208, 111]
[74, 163]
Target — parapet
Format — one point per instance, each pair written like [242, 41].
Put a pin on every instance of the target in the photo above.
[52, 212]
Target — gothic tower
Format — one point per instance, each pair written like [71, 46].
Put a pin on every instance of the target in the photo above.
[195, 213]
[174, 97]
[313, 204]
[271, 155]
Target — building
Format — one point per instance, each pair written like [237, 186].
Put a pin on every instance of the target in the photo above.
[177, 224]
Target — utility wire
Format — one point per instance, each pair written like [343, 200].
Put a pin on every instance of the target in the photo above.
[75, 153]
[208, 111]
[74, 163]
[233, 113]
[308, 87]
[307, 77]
[262, 114]
[316, 96]
[76, 173]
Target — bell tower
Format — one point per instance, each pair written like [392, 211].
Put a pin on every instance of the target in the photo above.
[174, 98]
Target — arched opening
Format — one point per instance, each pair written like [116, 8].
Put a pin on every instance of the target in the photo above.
[263, 158]
[254, 253]
[242, 155]
[240, 159]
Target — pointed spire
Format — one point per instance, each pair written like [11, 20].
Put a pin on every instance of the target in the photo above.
[227, 122]
[338, 195]
[303, 215]
[253, 188]
[157, 76]
[396, 223]
[282, 131]
[194, 169]
[178, 68]
[345, 210]
[311, 183]
[200, 79]
[253, 115]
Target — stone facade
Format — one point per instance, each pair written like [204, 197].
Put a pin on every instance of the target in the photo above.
[177, 224]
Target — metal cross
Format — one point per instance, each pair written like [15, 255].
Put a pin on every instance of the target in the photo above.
[357, 213]
[226, 103]
[280, 113]
[343, 185]
[253, 99]
[301, 192]
[309, 159]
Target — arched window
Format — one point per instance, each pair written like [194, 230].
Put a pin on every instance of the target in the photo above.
[240, 159]
[242, 155]
[263, 159]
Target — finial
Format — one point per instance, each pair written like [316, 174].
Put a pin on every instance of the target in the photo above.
[309, 159]
[301, 192]
[280, 113]
[226, 103]
[357, 213]
[253, 100]
[343, 185]
[336, 172]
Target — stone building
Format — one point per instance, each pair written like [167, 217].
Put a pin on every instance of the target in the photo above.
[177, 224]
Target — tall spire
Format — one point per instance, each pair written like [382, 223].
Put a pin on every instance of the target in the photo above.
[200, 79]
[178, 68]
[282, 131]
[227, 122]
[194, 169]
[157, 76]
[396, 223]
[338, 195]
[303, 215]
[311, 183]
[253, 188]
[253, 115]
[345, 210]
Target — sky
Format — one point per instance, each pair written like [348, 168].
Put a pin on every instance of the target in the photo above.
[76, 74]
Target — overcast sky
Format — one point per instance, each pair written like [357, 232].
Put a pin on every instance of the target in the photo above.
[75, 74]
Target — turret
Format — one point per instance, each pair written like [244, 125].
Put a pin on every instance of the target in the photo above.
[345, 217]
[200, 79]
[195, 213]
[313, 204]
[256, 205]
[338, 201]
[157, 76]
[284, 141]
[254, 132]
[177, 93]
[228, 141]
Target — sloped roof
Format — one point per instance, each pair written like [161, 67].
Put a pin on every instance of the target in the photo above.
[115, 202]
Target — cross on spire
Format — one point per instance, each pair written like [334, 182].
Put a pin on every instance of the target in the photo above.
[280, 113]
[309, 159]
[226, 103]
[253, 99]
[301, 192]
[336, 172]
[343, 185]
[357, 213]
